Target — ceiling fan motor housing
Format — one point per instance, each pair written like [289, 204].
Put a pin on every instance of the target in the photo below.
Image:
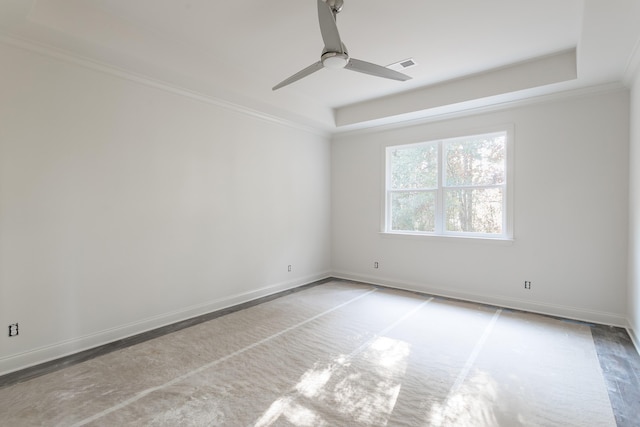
[335, 60]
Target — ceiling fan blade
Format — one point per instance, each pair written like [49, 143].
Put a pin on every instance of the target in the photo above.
[375, 70]
[329, 28]
[300, 74]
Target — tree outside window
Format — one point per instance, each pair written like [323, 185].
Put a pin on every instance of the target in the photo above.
[456, 186]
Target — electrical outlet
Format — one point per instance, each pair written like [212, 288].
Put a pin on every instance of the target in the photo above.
[527, 284]
[13, 330]
[376, 265]
[289, 268]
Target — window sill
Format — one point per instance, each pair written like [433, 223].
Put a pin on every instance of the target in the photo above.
[501, 241]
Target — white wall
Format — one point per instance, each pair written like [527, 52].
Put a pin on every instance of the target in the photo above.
[634, 215]
[125, 206]
[570, 219]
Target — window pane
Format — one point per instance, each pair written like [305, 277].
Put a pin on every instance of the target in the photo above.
[474, 210]
[478, 160]
[414, 167]
[413, 211]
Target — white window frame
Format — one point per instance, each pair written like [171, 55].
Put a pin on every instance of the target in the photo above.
[508, 193]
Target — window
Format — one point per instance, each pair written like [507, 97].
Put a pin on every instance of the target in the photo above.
[457, 186]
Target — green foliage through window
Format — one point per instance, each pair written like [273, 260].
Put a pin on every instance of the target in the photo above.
[453, 186]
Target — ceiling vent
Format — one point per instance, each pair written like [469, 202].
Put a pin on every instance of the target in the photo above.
[403, 65]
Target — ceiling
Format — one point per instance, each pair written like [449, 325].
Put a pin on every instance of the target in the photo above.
[469, 53]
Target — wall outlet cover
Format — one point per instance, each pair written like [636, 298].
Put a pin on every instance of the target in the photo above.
[13, 330]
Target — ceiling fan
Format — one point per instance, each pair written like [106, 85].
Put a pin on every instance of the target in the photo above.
[334, 54]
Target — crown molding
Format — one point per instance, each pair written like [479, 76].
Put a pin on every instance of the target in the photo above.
[437, 115]
[423, 117]
[73, 58]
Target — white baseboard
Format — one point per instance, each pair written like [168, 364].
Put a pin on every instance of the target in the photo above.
[567, 312]
[44, 354]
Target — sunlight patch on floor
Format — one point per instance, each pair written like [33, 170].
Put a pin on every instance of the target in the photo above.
[295, 413]
[313, 381]
[472, 405]
[363, 385]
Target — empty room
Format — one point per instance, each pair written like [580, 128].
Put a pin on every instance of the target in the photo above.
[319, 213]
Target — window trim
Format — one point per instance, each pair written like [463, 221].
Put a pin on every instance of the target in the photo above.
[508, 204]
